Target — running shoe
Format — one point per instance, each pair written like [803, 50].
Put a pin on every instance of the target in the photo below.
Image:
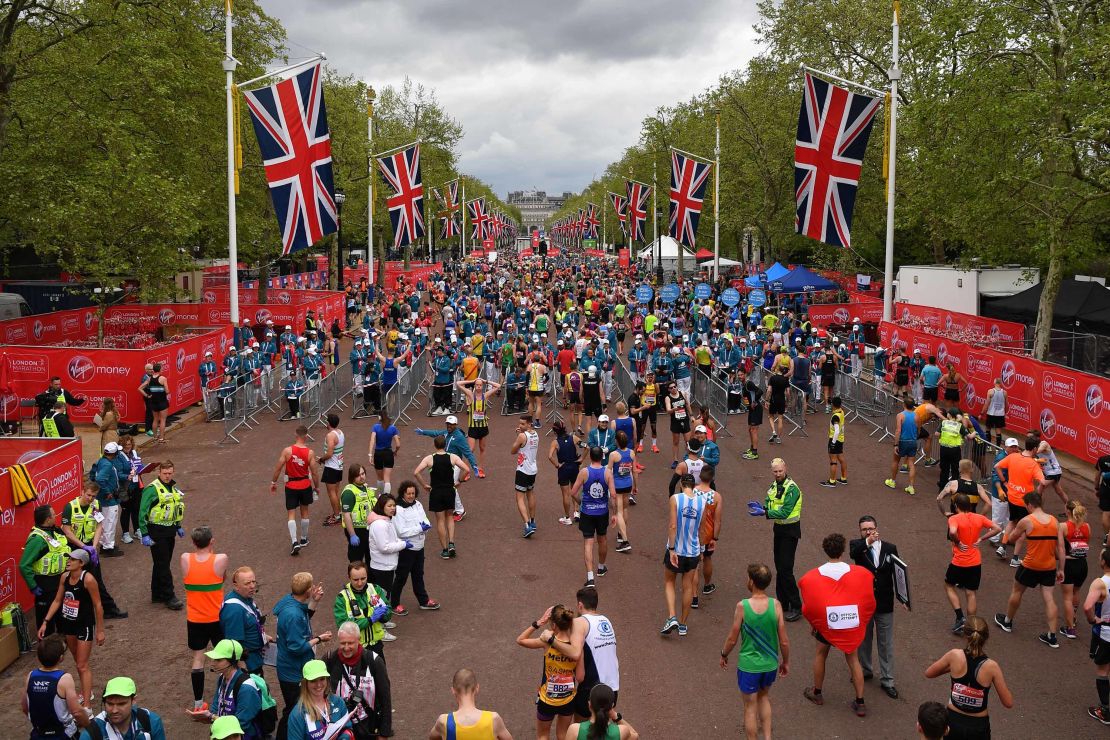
[444, 554]
[304, 542]
[624, 546]
[296, 549]
[1014, 562]
[859, 708]
[529, 530]
[1049, 640]
[451, 549]
[639, 447]
[814, 697]
[388, 636]
[632, 499]
[910, 491]
[481, 473]
[775, 439]
[602, 570]
[640, 468]
[828, 483]
[682, 630]
[175, 604]
[669, 626]
[1069, 632]
[930, 462]
[329, 520]
[127, 538]
[566, 520]
[1099, 713]
[1006, 624]
[590, 583]
[958, 625]
[694, 603]
[577, 515]
[828, 409]
[750, 455]
[889, 483]
[843, 481]
[655, 448]
[398, 610]
[459, 516]
[903, 469]
[537, 424]
[708, 588]
[431, 606]
[1001, 552]
[674, 464]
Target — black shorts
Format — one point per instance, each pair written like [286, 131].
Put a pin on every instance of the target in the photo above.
[593, 408]
[524, 481]
[203, 634]
[535, 394]
[295, 497]
[1033, 578]
[685, 564]
[1100, 650]
[680, 426]
[477, 432]
[951, 394]
[1103, 499]
[568, 474]
[930, 394]
[966, 577]
[996, 422]
[441, 499]
[828, 381]
[1075, 571]
[574, 397]
[593, 524]
[1017, 513]
[624, 491]
[820, 638]
[755, 416]
[1055, 477]
[965, 727]
[331, 475]
[383, 458]
[922, 433]
[546, 712]
[776, 407]
[83, 632]
[836, 447]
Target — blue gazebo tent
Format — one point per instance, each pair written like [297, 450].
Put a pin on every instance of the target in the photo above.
[774, 272]
[802, 280]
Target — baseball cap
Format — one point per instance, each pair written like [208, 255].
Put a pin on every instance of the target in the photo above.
[79, 554]
[207, 354]
[600, 419]
[119, 686]
[452, 419]
[1012, 442]
[226, 650]
[701, 428]
[313, 670]
[112, 447]
[287, 326]
[225, 727]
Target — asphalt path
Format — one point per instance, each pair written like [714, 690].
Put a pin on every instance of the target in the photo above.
[670, 686]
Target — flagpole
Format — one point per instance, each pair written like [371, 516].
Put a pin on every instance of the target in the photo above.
[370, 190]
[229, 66]
[655, 224]
[462, 201]
[894, 74]
[717, 199]
[604, 229]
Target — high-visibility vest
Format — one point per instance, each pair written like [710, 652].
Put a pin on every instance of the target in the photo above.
[950, 433]
[364, 501]
[50, 427]
[354, 610]
[54, 561]
[83, 521]
[169, 509]
[776, 501]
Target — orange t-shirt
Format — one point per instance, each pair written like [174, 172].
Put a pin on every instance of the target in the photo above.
[922, 414]
[1023, 472]
[1040, 551]
[968, 526]
[469, 367]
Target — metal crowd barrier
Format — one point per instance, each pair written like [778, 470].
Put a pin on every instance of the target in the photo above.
[796, 407]
[552, 392]
[233, 404]
[710, 393]
[622, 378]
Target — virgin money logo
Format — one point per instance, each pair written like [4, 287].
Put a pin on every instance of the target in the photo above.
[894, 342]
[995, 332]
[1098, 441]
[1048, 423]
[90, 319]
[180, 363]
[262, 315]
[15, 333]
[942, 353]
[36, 330]
[209, 297]
[1093, 400]
[81, 369]
[841, 316]
[905, 314]
[948, 322]
[223, 345]
[1010, 374]
[1019, 410]
[165, 316]
[970, 398]
[284, 297]
[1058, 389]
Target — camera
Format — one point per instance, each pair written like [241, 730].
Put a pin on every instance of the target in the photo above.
[355, 699]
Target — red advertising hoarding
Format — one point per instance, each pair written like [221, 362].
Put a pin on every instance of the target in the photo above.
[953, 321]
[839, 314]
[1072, 409]
[49, 328]
[624, 258]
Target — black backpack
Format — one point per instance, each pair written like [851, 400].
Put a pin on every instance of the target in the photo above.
[267, 719]
[95, 732]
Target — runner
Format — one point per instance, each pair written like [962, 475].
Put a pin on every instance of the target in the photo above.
[683, 552]
[536, 371]
[837, 426]
[710, 532]
[1077, 539]
[468, 722]
[778, 385]
[592, 489]
[457, 445]
[50, 699]
[973, 676]
[1102, 490]
[555, 698]
[966, 485]
[593, 405]
[572, 386]
[764, 650]
[332, 473]
[647, 412]
[524, 447]
[1050, 466]
[80, 617]
[1094, 608]
[677, 406]
[1023, 476]
[203, 572]
[965, 570]
[477, 406]
[566, 458]
[754, 398]
[905, 446]
[385, 443]
[692, 465]
[622, 465]
[444, 476]
[994, 409]
[1043, 565]
[302, 477]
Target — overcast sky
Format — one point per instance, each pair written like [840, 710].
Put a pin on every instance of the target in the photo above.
[548, 92]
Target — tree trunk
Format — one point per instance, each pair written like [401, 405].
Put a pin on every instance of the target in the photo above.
[263, 277]
[1052, 280]
[101, 307]
[333, 263]
[379, 260]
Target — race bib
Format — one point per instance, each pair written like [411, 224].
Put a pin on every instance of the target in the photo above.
[680, 413]
[479, 416]
[967, 697]
[560, 685]
[520, 458]
[70, 607]
[98, 517]
[649, 400]
[842, 617]
[624, 470]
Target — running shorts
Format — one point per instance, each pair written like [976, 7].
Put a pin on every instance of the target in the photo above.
[1075, 571]
[755, 416]
[477, 432]
[966, 577]
[330, 475]
[836, 447]
[1017, 513]
[751, 683]
[907, 448]
[1100, 650]
[524, 481]
[545, 712]
[383, 459]
[593, 524]
[685, 564]
[568, 473]
[1032, 578]
[202, 634]
[1103, 499]
[441, 499]
[930, 394]
[295, 497]
[83, 632]
[777, 407]
[996, 422]
[680, 426]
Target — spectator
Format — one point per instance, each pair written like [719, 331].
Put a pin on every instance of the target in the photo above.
[360, 679]
[296, 644]
[109, 421]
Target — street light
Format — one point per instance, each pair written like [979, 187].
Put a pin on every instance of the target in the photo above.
[340, 196]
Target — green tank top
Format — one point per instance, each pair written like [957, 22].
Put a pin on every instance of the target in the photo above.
[612, 732]
[759, 645]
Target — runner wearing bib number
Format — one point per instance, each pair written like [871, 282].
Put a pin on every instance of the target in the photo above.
[332, 473]
[477, 405]
[678, 406]
[80, 616]
[622, 464]
[592, 488]
[558, 687]
[525, 447]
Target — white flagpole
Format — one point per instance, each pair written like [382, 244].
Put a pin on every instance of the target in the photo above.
[604, 229]
[229, 66]
[894, 74]
[462, 201]
[370, 190]
[717, 200]
[655, 223]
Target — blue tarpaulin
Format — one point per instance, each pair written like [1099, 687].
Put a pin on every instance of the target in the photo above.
[801, 280]
[774, 272]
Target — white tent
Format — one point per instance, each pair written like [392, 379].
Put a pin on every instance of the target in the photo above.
[722, 261]
[669, 257]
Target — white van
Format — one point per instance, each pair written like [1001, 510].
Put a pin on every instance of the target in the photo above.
[13, 306]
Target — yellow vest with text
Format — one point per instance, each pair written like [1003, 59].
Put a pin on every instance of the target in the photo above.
[776, 500]
[169, 509]
[83, 521]
[950, 433]
[364, 501]
[50, 427]
[54, 561]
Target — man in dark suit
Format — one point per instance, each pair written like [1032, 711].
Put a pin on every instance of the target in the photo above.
[870, 552]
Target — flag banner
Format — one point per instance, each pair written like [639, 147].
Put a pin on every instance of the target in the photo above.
[592, 221]
[451, 225]
[401, 171]
[638, 195]
[478, 218]
[291, 124]
[689, 176]
[618, 202]
[833, 127]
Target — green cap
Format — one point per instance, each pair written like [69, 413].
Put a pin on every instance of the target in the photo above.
[226, 726]
[120, 686]
[314, 669]
[226, 650]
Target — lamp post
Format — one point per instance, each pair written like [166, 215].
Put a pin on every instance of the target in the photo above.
[340, 196]
[717, 197]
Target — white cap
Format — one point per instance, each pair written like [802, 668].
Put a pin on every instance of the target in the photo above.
[402, 335]
[685, 337]
[248, 350]
[312, 349]
[207, 354]
[112, 447]
[605, 341]
[287, 326]
[602, 418]
[592, 370]
[1012, 442]
[674, 350]
[855, 319]
[358, 342]
[254, 344]
[269, 322]
[639, 341]
[701, 428]
[452, 419]
[855, 327]
[246, 321]
[500, 333]
[559, 343]
[751, 335]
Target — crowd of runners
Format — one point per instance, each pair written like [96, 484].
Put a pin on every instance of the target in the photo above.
[547, 346]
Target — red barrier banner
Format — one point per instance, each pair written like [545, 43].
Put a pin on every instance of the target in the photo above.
[56, 467]
[842, 314]
[949, 322]
[864, 296]
[1072, 409]
[49, 328]
[624, 258]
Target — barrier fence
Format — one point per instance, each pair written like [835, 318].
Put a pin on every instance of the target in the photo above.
[710, 393]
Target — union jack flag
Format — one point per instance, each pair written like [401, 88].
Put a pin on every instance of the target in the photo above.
[833, 127]
[580, 223]
[479, 219]
[592, 221]
[406, 206]
[619, 202]
[689, 177]
[449, 199]
[638, 195]
[291, 124]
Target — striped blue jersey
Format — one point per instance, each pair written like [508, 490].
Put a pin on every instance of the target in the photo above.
[690, 511]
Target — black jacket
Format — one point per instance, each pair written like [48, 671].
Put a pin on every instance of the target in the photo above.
[380, 719]
[884, 574]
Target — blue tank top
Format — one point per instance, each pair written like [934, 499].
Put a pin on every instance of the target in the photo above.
[567, 452]
[622, 470]
[595, 493]
[626, 425]
[690, 511]
[909, 427]
[43, 704]
[389, 372]
[384, 440]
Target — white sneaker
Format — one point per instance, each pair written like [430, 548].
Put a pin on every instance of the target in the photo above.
[389, 637]
[566, 520]
[389, 625]
[127, 539]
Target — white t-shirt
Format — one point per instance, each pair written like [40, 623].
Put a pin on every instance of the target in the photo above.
[601, 641]
[526, 457]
